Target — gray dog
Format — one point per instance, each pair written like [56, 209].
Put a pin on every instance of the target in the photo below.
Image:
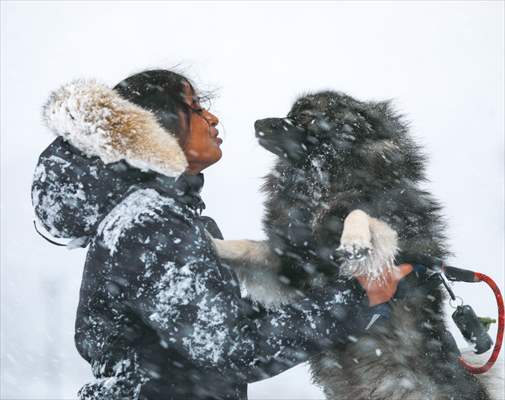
[344, 200]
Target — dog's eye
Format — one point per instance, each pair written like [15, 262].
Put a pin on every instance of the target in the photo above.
[305, 117]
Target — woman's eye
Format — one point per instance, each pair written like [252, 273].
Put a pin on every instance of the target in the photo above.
[196, 107]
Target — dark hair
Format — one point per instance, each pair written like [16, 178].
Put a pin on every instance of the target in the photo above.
[161, 92]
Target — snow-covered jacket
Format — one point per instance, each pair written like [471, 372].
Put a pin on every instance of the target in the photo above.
[159, 316]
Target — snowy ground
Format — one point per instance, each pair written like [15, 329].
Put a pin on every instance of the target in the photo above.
[443, 63]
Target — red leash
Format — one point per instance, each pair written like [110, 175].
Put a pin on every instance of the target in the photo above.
[479, 277]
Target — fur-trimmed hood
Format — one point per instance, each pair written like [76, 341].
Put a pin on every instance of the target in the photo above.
[105, 145]
[99, 122]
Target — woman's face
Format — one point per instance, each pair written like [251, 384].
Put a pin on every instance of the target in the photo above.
[202, 142]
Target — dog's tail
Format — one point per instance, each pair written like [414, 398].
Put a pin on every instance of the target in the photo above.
[494, 379]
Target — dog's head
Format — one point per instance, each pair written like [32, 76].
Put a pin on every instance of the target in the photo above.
[326, 118]
[337, 154]
[342, 131]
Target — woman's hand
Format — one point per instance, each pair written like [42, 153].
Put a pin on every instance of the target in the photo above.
[382, 290]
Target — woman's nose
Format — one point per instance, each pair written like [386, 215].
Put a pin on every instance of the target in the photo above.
[211, 118]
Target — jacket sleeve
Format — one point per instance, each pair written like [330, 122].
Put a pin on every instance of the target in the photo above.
[175, 283]
[211, 227]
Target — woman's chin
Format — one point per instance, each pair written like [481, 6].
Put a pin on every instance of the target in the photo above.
[211, 158]
[219, 154]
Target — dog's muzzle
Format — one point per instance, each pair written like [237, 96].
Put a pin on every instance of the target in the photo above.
[268, 126]
[281, 137]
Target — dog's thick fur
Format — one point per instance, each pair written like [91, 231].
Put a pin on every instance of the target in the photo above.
[344, 199]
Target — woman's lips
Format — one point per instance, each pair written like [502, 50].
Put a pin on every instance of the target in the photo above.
[214, 135]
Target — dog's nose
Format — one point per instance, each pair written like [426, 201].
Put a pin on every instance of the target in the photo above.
[268, 124]
[262, 124]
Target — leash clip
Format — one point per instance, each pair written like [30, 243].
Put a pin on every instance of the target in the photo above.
[455, 306]
[448, 287]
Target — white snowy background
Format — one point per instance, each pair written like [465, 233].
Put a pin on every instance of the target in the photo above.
[442, 63]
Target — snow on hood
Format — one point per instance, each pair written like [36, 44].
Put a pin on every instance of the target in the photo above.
[104, 146]
[72, 193]
[99, 122]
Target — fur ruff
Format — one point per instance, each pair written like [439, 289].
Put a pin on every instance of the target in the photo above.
[99, 122]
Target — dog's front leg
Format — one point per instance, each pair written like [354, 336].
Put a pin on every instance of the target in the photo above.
[240, 253]
[368, 246]
[256, 267]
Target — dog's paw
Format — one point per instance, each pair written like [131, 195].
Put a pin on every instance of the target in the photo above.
[354, 251]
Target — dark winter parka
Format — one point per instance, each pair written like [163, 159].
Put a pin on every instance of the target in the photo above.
[159, 316]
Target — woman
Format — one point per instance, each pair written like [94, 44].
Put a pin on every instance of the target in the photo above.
[159, 316]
